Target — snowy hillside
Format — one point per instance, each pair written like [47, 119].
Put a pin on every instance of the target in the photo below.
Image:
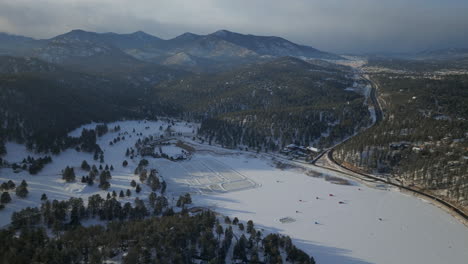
[332, 218]
[81, 49]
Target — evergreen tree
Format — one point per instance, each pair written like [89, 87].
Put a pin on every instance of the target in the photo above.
[121, 194]
[132, 256]
[124, 163]
[3, 150]
[128, 193]
[68, 174]
[95, 256]
[250, 227]
[138, 188]
[11, 185]
[5, 198]
[103, 180]
[158, 206]
[152, 198]
[143, 163]
[239, 251]
[219, 231]
[183, 200]
[24, 183]
[90, 181]
[43, 197]
[74, 216]
[85, 166]
[143, 175]
[22, 191]
[258, 237]
[153, 181]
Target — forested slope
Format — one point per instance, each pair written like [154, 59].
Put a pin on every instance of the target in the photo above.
[268, 105]
[423, 139]
[41, 102]
[146, 231]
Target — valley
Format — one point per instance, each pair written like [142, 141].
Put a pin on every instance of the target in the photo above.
[229, 148]
[252, 186]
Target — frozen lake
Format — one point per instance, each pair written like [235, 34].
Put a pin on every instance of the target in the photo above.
[334, 223]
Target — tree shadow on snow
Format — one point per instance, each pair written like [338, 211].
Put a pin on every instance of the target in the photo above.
[327, 254]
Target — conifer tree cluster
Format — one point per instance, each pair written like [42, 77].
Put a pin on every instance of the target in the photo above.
[176, 238]
[184, 199]
[32, 165]
[68, 174]
[22, 190]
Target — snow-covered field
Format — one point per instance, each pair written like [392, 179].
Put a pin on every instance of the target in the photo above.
[49, 180]
[369, 226]
[202, 174]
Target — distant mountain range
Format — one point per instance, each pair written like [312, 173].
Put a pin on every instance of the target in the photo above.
[120, 51]
[449, 53]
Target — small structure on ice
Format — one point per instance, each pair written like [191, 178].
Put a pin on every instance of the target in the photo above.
[286, 220]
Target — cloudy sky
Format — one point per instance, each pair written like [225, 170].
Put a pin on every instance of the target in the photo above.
[331, 25]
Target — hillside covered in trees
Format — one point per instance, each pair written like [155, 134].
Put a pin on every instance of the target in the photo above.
[268, 105]
[423, 138]
[54, 234]
[41, 102]
[262, 106]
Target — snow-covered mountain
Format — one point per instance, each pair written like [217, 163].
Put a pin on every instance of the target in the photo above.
[86, 50]
[79, 47]
[181, 58]
[273, 46]
[231, 43]
[214, 48]
[14, 45]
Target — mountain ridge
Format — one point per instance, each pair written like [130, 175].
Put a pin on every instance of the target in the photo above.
[221, 45]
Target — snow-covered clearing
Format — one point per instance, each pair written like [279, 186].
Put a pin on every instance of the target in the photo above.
[368, 226]
[202, 174]
[49, 180]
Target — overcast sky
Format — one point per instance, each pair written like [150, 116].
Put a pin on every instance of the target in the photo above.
[331, 25]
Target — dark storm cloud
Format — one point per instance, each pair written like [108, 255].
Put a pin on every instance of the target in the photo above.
[333, 25]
